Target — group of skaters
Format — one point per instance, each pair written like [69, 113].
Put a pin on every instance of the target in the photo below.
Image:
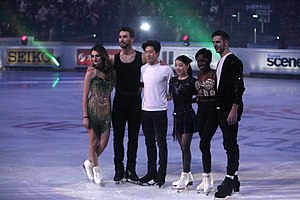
[218, 94]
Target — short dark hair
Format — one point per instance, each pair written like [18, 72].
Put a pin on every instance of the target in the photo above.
[153, 43]
[205, 52]
[221, 33]
[129, 30]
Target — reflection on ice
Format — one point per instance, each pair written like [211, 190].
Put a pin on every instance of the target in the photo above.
[43, 144]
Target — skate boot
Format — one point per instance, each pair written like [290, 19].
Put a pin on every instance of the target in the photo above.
[97, 175]
[119, 176]
[130, 176]
[225, 189]
[236, 184]
[191, 179]
[183, 181]
[207, 183]
[148, 179]
[88, 169]
[160, 180]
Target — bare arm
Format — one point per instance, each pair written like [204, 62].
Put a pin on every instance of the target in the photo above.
[144, 58]
[112, 58]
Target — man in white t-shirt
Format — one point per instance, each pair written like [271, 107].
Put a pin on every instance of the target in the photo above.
[155, 78]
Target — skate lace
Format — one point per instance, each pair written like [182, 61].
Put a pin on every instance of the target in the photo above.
[183, 182]
[208, 182]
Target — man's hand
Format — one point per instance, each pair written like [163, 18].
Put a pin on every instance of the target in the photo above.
[232, 116]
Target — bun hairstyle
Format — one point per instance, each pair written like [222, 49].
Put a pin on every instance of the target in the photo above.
[186, 60]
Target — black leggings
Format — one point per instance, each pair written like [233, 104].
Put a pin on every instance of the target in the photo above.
[207, 126]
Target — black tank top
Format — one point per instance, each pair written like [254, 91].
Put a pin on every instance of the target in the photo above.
[128, 74]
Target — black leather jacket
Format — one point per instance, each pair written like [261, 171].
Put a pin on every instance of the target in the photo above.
[231, 86]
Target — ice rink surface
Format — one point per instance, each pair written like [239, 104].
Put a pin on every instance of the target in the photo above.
[43, 143]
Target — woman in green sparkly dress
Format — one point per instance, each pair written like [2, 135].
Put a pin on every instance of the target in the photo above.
[96, 107]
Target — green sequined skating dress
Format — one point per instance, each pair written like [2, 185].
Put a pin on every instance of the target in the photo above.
[99, 105]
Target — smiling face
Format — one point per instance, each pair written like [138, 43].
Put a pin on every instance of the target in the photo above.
[203, 62]
[181, 68]
[151, 55]
[96, 58]
[125, 40]
[220, 45]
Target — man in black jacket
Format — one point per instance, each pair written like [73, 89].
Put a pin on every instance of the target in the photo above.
[230, 89]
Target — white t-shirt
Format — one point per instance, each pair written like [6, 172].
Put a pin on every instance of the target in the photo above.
[156, 80]
[219, 68]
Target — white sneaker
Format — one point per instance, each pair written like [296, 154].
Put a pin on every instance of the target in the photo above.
[207, 183]
[183, 181]
[191, 179]
[97, 175]
[88, 168]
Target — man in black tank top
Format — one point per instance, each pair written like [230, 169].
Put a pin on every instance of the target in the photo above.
[126, 105]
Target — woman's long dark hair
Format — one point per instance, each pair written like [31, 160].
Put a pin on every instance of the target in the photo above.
[106, 65]
[186, 60]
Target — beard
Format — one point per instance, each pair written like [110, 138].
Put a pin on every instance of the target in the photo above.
[123, 45]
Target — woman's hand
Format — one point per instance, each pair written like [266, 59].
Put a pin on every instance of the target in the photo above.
[86, 123]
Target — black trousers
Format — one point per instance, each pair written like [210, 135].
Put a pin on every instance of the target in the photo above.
[126, 109]
[229, 142]
[154, 125]
[207, 126]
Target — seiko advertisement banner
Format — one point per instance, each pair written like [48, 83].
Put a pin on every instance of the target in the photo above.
[29, 57]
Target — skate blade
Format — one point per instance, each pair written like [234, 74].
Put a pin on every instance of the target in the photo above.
[182, 190]
[120, 181]
[99, 184]
[151, 183]
[227, 197]
[132, 182]
[159, 185]
[179, 190]
[208, 191]
[189, 184]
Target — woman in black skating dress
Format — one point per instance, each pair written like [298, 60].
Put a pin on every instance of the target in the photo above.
[182, 89]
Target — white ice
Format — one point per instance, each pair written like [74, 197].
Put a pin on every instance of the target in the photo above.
[43, 143]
